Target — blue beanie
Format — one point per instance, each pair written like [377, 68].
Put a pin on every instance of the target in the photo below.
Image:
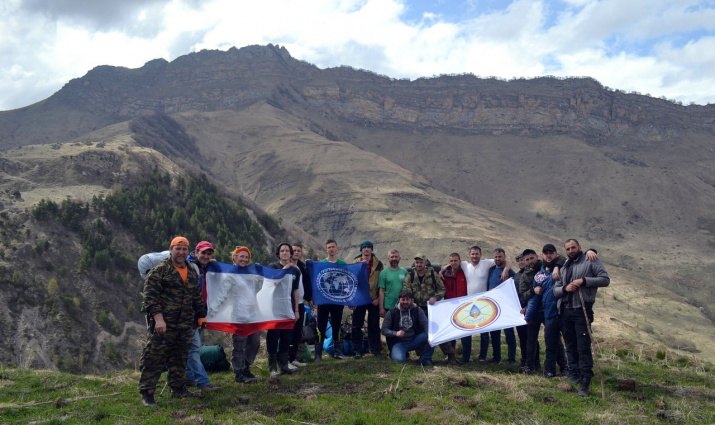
[366, 244]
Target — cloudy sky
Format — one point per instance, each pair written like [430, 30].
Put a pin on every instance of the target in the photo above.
[662, 47]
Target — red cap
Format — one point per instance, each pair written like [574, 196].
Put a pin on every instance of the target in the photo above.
[203, 246]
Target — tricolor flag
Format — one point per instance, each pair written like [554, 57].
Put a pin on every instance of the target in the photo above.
[343, 284]
[474, 314]
[245, 300]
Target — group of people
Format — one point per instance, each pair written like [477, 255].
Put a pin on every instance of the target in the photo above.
[557, 292]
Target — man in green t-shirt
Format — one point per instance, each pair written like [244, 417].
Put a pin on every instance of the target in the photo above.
[390, 283]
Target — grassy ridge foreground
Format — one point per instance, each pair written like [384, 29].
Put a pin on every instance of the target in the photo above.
[373, 391]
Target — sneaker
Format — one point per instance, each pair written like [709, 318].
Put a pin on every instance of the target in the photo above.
[358, 355]
[209, 388]
[148, 400]
[292, 367]
[482, 360]
[296, 363]
[182, 392]
[548, 375]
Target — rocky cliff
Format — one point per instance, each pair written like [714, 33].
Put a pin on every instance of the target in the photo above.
[215, 80]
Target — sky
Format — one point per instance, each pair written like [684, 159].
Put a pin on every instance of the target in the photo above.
[665, 48]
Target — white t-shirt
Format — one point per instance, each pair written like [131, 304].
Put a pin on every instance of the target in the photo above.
[477, 276]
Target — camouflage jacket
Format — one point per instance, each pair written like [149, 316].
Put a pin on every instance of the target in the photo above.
[166, 293]
[431, 286]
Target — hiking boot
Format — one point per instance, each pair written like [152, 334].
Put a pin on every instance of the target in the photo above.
[377, 354]
[148, 399]
[247, 373]
[286, 368]
[338, 353]
[426, 363]
[318, 352]
[452, 360]
[511, 362]
[482, 359]
[182, 392]
[494, 361]
[584, 387]
[243, 379]
[575, 378]
[358, 355]
[209, 388]
[296, 363]
[548, 375]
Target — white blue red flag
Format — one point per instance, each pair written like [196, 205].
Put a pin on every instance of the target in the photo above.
[245, 300]
[343, 284]
[474, 314]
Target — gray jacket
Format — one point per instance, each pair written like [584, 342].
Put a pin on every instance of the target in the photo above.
[593, 274]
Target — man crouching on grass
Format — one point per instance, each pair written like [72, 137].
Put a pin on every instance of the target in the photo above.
[405, 328]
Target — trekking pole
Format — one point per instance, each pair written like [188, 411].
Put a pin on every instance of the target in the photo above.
[593, 344]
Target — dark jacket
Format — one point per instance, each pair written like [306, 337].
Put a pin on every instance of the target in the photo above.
[307, 284]
[594, 275]
[373, 276]
[545, 302]
[391, 324]
[165, 292]
[493, 269]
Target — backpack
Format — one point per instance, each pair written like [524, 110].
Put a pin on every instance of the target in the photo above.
[434, 281]
[213, 357]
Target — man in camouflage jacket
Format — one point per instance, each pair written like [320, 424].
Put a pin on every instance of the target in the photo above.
[172, 300]
[427, 287]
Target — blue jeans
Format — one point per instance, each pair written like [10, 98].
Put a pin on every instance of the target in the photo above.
[194, 368]
[419, 341]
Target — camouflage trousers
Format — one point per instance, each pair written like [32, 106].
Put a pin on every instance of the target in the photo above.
[171, 349]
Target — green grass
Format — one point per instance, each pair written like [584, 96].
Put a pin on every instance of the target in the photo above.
[371, 391]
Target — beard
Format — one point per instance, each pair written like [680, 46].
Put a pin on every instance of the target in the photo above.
[574, 255]
[394, 263]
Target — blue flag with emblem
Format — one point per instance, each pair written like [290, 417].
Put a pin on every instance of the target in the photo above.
[343, 284]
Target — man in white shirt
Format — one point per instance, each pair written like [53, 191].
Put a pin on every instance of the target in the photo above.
[476, 271]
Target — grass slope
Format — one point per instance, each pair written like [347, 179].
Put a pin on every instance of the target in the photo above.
[367, 391]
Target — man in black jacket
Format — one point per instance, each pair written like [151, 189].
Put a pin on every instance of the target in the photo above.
[405, 328]
[306, 294]
[576, 291]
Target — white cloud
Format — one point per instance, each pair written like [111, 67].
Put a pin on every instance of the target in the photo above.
[656, 46]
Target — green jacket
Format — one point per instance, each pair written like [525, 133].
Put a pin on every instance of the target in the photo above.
[431, 286]
[165, 292]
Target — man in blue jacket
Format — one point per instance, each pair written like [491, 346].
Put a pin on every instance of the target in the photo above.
[495, 279]
[542, 309]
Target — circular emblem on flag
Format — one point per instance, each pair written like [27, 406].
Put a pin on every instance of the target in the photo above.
[337, 285]
[476, 314]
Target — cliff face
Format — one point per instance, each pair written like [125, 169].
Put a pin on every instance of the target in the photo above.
[214, 80]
